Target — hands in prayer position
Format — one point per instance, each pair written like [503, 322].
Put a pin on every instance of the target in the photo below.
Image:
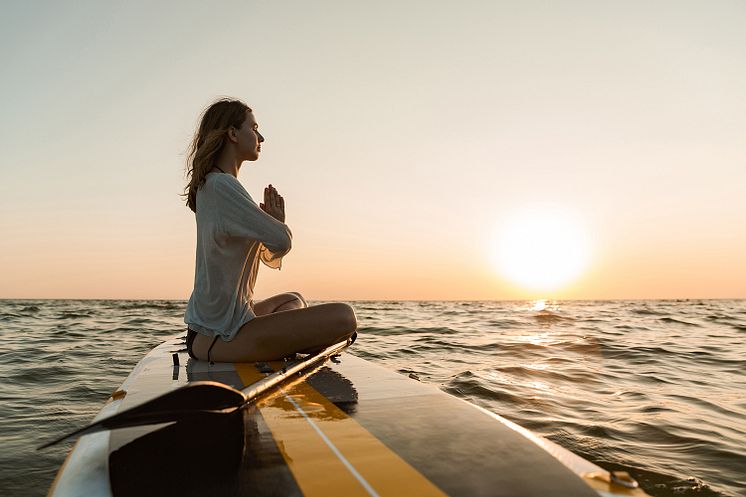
[273, 204]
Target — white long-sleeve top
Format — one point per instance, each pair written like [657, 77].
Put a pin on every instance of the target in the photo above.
[233, 235]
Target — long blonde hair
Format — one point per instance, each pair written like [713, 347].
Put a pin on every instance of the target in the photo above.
[209, 140]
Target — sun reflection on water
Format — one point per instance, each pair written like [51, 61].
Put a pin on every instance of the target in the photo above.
[540, 339]
[539, 385]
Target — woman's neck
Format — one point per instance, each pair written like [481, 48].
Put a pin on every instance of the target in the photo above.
[228, 162]
[232, 170]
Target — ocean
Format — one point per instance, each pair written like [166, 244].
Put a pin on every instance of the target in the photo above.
[656, 388]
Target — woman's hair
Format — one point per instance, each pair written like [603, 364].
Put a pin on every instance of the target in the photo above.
[209, 140]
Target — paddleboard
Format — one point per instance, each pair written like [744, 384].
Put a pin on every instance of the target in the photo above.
[346, 428]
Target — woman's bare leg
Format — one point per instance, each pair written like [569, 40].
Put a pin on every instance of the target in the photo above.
[280, 334]
[281, 302]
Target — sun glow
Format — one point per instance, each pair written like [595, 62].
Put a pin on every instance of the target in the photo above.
[542, 248]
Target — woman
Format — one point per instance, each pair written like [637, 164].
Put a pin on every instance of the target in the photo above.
[233, 235]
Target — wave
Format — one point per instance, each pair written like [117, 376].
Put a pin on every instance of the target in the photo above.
[532, 373]
[464, 385]
[549, 316]
[150, 305]
[648, 312]
[403, 330]
[679, 321]
[76, 314]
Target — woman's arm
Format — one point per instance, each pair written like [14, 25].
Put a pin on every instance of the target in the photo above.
[239, 216]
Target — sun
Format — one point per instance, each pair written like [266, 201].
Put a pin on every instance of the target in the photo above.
[541, 247]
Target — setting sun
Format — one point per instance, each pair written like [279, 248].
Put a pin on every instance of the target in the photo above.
[541, 248]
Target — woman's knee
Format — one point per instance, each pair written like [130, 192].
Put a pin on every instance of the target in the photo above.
[296, 302]
[344, 316]
[286, 301]
[289, 306]
[300, 298]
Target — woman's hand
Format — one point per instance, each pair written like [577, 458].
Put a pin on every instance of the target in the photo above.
[274, 204]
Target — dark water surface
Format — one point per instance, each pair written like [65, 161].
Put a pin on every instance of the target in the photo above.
[657, 388]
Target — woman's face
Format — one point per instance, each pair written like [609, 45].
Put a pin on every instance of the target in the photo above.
[249, 138]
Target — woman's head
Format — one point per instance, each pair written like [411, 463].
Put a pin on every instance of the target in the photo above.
[225, 124]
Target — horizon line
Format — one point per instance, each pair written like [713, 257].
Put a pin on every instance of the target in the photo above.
[665, 299]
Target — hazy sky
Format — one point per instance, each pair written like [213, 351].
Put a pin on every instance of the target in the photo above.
[401, 134]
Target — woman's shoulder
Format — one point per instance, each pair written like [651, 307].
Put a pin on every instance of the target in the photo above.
[218, 177]
[225, 185]
[222, 180]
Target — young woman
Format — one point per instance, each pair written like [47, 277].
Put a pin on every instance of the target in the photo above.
[233, 235]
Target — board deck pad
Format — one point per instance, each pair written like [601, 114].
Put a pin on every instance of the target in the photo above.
[347, 428]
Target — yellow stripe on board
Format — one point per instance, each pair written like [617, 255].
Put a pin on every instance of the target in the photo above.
[330, 453]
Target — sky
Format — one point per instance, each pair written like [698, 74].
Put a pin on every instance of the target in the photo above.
[404, 137]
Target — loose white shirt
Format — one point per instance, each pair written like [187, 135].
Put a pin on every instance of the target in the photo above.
[233, 235]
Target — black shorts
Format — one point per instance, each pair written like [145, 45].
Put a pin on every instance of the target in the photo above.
[191, 335]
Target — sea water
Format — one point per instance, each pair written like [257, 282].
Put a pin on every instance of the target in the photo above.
[656, 388]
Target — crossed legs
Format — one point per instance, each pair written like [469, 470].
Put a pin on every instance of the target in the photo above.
[284, 324]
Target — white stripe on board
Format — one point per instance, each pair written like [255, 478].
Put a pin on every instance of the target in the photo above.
[336, 451]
